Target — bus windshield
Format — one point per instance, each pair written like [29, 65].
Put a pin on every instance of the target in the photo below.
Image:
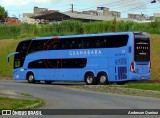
[142, 48]
[22, 48]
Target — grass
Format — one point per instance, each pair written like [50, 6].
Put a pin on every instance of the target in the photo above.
[7, 46]
[155, 57]
[74, 27]
[144, 86]
[26, 94]
[10, 103]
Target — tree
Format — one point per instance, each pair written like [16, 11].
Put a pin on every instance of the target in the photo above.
[3, 13]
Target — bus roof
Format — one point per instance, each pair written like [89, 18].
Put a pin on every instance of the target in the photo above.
[84, 35]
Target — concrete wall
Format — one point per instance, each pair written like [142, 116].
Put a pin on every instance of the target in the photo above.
[38, 10]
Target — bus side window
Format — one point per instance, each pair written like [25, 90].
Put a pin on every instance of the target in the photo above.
[91, 42]
[37, 45]
[81, 44]
[65, 44]
[40, 45]
[99, 43]
[85, 43]
[40, 64]
[23, 46]
[54, 46]
[76, 43]
[71, 44]
[53, 63]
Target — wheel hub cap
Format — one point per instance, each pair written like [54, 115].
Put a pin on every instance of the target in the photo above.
[89, 79]
[102, 79]
[31, 78]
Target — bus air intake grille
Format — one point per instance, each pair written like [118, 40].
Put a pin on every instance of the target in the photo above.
[121, 61]
[122, 73]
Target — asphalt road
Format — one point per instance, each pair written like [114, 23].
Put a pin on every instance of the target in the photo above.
[58, 96]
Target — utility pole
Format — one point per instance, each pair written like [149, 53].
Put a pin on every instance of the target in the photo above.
[115, 23]
[154, 1]
[72, 8]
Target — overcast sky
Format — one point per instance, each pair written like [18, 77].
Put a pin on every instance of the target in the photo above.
[18, 7]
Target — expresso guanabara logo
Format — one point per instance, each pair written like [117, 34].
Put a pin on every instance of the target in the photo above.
[85, 53]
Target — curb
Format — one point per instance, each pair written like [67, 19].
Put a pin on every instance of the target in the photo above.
[34, 105]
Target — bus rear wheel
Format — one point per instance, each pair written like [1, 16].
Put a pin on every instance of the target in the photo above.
[30, 78]
[90, 79]
[103, 78]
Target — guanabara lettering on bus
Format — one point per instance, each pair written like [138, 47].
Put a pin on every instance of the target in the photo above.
[93, 58]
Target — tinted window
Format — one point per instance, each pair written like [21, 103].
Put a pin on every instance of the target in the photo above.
[74, 63]
[91, 42]
[20, 57]
[142, 49]
[37, 64]
[19, 60]
[23, 46]
[115, 41]
[37, 45]
[53, 63]
[55, 46]
[80, 43]
[58, 63]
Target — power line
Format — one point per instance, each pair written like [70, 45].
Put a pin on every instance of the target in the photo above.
[108, 4]
[134, 8]
[128, 5]
[121, 5]
[112, 4]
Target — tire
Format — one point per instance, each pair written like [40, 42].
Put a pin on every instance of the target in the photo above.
[103, 79]
[30, 78]
[48, 82]
[90, 79]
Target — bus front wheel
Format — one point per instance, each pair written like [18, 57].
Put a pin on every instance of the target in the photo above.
[30, 78]
[90, 79]
[103, 78]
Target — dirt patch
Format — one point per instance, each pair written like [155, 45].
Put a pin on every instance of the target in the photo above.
[5, 42]
[5, 77]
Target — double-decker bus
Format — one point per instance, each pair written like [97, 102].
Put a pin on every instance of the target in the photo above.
[94, 58]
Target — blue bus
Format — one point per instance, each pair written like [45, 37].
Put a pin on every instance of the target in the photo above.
[93, 58]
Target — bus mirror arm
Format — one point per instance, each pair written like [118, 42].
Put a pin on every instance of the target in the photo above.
[14, 53]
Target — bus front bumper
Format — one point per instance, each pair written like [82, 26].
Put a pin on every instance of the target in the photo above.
[19, 74]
